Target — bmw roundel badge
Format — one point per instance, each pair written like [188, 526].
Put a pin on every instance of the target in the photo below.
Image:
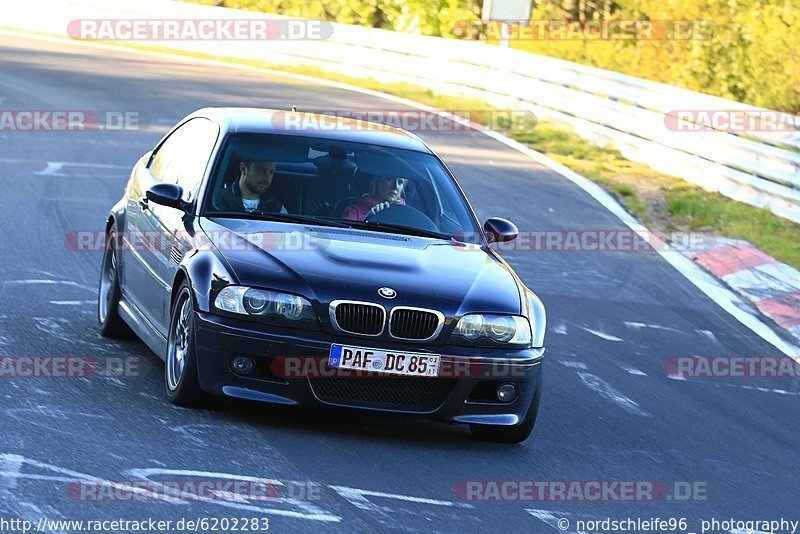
[387, 292]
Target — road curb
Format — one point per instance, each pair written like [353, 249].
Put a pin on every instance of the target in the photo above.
[773, 287]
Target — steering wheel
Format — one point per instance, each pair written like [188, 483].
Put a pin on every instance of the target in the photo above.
[404, 216]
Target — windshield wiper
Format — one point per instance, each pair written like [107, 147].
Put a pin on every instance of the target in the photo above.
[281, 217]
[400, 229]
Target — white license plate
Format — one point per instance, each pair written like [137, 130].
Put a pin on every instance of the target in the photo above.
[384, 361]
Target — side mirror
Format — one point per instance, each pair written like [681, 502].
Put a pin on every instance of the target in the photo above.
[170, 195]
[500, 230]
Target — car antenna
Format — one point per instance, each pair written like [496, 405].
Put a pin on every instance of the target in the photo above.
[294, 108]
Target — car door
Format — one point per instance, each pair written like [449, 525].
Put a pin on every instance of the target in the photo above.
[182, 158]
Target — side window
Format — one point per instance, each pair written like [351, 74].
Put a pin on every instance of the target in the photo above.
[165, 153]
[183, 157]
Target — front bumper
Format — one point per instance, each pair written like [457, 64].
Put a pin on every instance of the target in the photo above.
[462, 394]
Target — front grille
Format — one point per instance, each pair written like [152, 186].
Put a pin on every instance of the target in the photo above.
[408, 323]
[380, 391]
[359, 318]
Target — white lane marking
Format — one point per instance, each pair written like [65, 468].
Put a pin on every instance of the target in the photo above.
[765, 390]
[11, 465]
[51, 327]
[632, 370]
[52, 418]
[47, 282]
[30, 512]
[390, 517]
[71, 302]
[11, 468]
[556, 519]
[560, 328]
[602, 335]
[600, 386]
[358, 497]
[115, 381]
[193, 433]
[574, 365]
[708, 334]
[52, 169]
[724, 297]
[303, 509]
[10, 473]
[639, 326]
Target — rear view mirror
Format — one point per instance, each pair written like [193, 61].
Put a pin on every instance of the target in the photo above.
[500, 230]
[170, 195]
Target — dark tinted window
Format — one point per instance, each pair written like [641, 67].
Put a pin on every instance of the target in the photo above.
[184, 156]
[335, 179]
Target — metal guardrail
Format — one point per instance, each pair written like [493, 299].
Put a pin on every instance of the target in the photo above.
[760, 168]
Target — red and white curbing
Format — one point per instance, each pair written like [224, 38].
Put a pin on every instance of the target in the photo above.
[773, 287]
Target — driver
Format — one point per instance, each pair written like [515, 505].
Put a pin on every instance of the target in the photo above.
[384, 191]
[251, 191]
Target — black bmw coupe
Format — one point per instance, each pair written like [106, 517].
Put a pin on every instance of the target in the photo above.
[278, 257]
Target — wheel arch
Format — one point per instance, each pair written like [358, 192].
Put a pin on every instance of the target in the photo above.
[180, 278]
[205, 274]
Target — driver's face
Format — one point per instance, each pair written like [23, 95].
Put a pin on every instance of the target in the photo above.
[258, 175]
[390, 189]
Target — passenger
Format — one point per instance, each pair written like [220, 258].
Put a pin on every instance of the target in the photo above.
[251, 191]
[384, 191]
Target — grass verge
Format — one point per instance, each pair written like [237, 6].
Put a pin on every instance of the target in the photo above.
[666, 203]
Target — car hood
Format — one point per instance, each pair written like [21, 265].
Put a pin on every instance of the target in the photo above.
[326, 264]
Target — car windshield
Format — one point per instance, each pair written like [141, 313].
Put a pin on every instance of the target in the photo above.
[303, 179]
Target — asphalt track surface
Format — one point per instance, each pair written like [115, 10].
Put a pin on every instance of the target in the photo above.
[609, 411]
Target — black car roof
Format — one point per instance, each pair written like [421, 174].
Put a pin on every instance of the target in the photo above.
[256, 120]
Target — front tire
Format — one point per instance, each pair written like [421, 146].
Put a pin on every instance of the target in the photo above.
[110, 323]
[180, 374]
[510, 434]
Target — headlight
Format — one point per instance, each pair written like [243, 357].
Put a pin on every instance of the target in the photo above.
[263, 303]
[505, 329]
[538, 319]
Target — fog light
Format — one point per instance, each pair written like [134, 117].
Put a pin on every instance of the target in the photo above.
[506, 392]
[242, 365]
